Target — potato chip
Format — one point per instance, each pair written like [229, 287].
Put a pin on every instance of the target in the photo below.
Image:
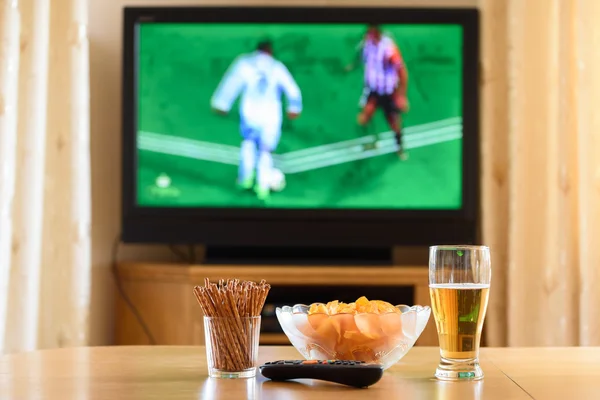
[347, 308]
[332, 307]
[362, 305]
[384, 307]
[317, 308]
[361, 330]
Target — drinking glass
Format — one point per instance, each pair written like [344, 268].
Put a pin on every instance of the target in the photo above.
[232, 346]
[459, 286]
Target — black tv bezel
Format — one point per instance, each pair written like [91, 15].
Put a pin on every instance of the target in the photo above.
[302, 227]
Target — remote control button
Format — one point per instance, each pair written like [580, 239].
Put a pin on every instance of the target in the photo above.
[288, 362]
[297, 362]
[310, 362]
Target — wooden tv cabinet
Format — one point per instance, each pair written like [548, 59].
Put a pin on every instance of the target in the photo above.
[162, 294]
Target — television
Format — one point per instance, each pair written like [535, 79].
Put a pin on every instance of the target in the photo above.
[300, 127]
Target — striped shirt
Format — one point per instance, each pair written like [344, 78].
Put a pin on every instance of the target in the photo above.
[381, 61]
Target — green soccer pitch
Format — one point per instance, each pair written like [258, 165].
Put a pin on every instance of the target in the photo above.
[188, 156]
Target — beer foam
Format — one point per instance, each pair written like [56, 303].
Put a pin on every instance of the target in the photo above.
[463, 286]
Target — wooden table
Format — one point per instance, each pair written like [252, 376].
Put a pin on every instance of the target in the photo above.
[180, 373]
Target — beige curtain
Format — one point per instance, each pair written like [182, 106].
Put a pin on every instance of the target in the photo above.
[44, 174]
[541, 170]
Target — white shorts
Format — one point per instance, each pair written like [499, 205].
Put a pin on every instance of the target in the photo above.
[266, 136]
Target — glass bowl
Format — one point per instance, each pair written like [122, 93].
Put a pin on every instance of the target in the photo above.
[381, 338]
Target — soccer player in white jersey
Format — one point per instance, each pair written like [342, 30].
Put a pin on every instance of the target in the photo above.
[385, 82]
[260, 80]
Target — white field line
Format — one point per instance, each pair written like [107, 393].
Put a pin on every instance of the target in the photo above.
[316, 157]
[198, 150]
[218, 149]
[227, 150]
[325, 159]
[384, 147]
[411, 130]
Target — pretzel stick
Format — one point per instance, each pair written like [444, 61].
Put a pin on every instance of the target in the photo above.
[232, 305]
[233, 346]
[234, 334]
[222, 359]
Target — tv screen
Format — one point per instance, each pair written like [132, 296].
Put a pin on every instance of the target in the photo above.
[249, 111]
[300, 115]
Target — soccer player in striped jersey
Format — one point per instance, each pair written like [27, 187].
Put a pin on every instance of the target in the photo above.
[385, 82]
[260, 80]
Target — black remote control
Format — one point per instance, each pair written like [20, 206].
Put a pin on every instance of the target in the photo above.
[351, 373]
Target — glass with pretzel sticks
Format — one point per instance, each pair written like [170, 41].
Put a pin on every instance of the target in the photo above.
[232, 326]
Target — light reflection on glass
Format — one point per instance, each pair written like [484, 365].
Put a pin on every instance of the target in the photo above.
[459, 390]
[224, 389]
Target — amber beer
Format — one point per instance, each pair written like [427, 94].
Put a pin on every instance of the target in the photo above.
[459, 310]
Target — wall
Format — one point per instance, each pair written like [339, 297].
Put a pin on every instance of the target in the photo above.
[105, 60]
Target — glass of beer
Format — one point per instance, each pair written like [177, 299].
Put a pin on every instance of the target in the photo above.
[459, 286]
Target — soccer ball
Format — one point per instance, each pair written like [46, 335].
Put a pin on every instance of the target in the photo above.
[277, 180]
